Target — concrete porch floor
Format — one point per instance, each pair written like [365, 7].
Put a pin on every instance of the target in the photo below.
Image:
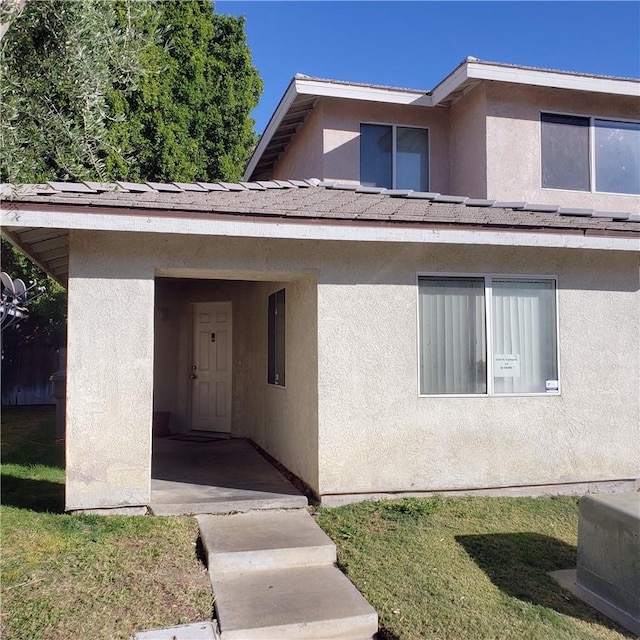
[222, 476]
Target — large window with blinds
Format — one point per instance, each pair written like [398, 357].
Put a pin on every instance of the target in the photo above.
[487, 335]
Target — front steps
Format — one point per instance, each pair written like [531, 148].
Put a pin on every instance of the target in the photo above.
[274, 578]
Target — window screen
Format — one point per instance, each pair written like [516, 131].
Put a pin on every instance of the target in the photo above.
[376, 155]
[617, 156]
[565, 152]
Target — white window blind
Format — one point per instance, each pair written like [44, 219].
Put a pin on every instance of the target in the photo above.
[456, 313]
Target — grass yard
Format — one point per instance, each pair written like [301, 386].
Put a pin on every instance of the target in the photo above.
[466, 568]
[85, 577]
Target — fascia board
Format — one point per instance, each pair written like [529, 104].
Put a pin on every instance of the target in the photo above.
[143, 222]
[539, 78]
[450, 84]
[356, 92]
[552, 79]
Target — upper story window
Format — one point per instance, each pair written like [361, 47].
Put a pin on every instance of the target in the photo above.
[394, 157]
[590, 154]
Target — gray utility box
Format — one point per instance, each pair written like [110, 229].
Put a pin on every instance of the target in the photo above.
[58, 382]
[609, 553]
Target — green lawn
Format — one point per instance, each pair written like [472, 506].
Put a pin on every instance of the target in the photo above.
[85, 577]
[472, 568]
[466, 568]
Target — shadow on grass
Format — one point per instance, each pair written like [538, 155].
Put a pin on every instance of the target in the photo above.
[519, 565]
[385, 634]
[35, 495]
[28, 439]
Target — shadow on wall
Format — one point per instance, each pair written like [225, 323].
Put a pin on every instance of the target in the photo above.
[519, 565]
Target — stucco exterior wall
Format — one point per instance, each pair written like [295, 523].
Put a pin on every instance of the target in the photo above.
[283, 420]
[350, 419]
[327, 145]
[514, 143]
[342, 136]
[377, 434]
[115, 380]
[109, 374]
[468, 144]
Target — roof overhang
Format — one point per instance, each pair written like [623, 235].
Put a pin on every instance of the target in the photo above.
[303, 92]
[42, 232]
[472, 72]
[297, 103]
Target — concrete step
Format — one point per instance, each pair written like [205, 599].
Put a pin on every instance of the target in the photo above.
[307, 603]
[264, 540]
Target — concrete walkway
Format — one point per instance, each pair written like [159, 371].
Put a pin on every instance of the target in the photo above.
[222, 476]
[274, 578]
[272, 569]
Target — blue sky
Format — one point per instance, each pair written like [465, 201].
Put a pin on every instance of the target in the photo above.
[415, 44]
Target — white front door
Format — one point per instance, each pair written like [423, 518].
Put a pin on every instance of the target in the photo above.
[211, 367]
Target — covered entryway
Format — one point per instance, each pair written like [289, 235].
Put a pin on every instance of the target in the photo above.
[213, 379]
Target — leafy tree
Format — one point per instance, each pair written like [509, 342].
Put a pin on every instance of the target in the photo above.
[189, 118]
[58, 62]
[119, 89]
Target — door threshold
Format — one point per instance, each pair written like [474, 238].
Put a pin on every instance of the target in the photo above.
[200, 436]
[216, 434]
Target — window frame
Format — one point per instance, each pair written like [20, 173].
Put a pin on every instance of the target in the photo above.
[592, 150]
[394, 143]
[276, 383]
[488, 319]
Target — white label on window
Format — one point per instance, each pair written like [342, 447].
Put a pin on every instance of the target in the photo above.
[506, 366]
[552, 385]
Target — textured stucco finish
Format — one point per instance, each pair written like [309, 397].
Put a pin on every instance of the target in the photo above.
[350, 419]
[329, 141]
[514, 142]
[304, 156]
[109, 374]
[468, 144]
[245, 272]
[377, 435]
[486, 145]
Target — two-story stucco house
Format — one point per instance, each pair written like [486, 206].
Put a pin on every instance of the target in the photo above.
[453, 305]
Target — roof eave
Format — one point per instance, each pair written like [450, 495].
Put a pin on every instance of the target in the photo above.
[251, 224]
[477, 71]
[304, 86]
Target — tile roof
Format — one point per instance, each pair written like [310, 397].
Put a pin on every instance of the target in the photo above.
[322, 201]
[310, 201]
